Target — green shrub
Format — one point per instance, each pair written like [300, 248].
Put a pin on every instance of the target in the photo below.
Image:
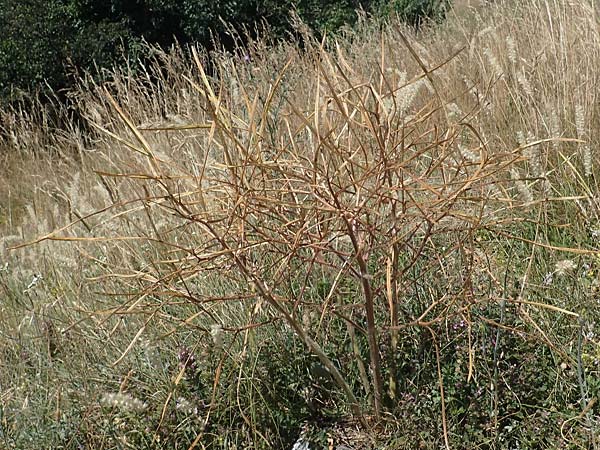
[415, 12]
[35, 36]
[43, 42]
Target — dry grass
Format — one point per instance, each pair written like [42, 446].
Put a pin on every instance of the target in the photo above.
[391, 209]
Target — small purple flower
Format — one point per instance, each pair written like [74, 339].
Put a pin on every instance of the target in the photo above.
[459, 325]
[187, 362]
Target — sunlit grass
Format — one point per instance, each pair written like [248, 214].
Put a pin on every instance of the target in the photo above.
[387, 237]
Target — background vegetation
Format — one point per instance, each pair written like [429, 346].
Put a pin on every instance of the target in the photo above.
[46, 45]
[387, 239]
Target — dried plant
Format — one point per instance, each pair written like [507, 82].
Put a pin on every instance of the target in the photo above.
[355, 188]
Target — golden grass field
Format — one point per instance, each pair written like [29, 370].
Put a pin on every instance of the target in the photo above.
[385, 239]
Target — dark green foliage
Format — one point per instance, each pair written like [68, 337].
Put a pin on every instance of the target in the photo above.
[44, 43]
[35, 39]
[330, 15]
[415, 12]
